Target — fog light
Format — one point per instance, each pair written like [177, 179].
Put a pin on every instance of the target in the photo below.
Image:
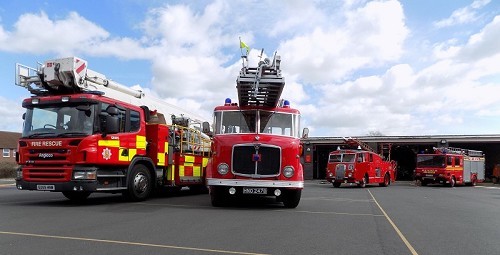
[19, 187]
[330, 174]
[75, 188]
[232, 191]
[277, 192]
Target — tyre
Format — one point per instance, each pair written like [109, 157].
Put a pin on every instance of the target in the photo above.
[387, 181]
[291, 198]
[424, 183]
[76, 196]
[452, 182]
[139, 184]
[218, 196]
[336, 184]
[363, 182]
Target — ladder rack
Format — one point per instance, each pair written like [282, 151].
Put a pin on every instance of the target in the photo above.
[262, 85]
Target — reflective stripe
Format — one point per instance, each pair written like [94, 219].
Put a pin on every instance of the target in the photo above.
[166, 147]
[120, 157]
[181, 170]
[189, 159]
[205, 162]
[161, 159]
[109, 143]
[197, 171]
[140, 142]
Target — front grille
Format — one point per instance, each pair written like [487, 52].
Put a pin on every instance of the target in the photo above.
[340, 171]
[47, 174]
[260, 160]
[48, 156]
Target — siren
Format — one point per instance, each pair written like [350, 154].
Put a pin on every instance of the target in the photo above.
[286, 104]
[227, 101]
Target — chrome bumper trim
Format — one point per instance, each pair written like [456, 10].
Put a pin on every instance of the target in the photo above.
[255, 183]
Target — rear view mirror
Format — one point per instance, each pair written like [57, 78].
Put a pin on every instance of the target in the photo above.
[305, 133]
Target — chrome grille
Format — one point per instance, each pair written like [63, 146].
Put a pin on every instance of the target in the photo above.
[256, 160]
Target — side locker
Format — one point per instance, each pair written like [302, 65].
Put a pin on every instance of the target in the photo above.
[468, 165]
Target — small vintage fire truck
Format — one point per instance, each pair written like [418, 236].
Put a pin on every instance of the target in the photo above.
[256, 144]
[359, 166]
[450, 166]
[84, 133]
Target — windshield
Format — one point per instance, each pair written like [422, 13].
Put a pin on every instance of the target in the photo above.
[59, 121]
[227, 122]
[347, 158]
[431, 161]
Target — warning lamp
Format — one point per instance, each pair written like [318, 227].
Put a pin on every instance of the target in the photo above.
[227, 101]
[35, 100]
[286, 104]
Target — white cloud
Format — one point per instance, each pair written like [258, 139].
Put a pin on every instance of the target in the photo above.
[11, 116]
[463, 15]
[372, 35]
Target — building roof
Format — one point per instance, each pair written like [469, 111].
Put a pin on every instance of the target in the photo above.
[8, 140]
[411, 139]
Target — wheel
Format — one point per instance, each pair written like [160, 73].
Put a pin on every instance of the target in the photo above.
[424, 183]
[452, 182]
[363, 182]
[76, 196]
[139, 184]
[387, 181]
[218, 196]
[336, 184]
[291, 198]
[474, 181]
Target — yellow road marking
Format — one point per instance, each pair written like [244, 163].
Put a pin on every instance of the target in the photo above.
[129, 243]
[407, 243]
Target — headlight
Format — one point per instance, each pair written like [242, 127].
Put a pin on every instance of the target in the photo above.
[223, 168]
[288, 171]
[84, 175]
[19, 174]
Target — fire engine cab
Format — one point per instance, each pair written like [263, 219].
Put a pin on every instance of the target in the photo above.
[359, 166]
[84, 133]
[256, 143]
[450, 166]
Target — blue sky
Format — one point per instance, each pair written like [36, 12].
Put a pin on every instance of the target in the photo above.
[352, 67]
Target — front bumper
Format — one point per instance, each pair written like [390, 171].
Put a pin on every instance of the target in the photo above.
[89, 186]
[255, 183]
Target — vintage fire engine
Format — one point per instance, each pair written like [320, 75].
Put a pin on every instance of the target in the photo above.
[361, 166]
[450, 166]
[256, 144]
[84, 133]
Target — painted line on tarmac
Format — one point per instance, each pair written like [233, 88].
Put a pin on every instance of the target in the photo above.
[130, 243]
[7, 185]
[407, 243]
[331, 213]
[487, 187]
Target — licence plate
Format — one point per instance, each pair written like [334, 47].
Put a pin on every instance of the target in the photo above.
[45, 187]
[254, 190]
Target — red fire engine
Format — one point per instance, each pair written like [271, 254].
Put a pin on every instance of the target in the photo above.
[256, 144]
[359, 166]
[450, 166]
[84, 133]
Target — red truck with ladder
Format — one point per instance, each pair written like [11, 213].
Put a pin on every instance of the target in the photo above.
[256, 143]
[359, 166]
[450, 166]
[84, 133]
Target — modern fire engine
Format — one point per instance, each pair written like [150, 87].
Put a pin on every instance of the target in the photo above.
[256, 144]
[360, 166]
[450, 166]
[84, 133]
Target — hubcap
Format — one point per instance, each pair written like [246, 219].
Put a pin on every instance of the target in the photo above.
[140, 183]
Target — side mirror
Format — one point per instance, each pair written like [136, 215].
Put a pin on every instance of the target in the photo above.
[112, 110]
[111, 125]
[305, 133]
[24, 116]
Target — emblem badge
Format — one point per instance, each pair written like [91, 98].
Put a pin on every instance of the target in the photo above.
[106, 153]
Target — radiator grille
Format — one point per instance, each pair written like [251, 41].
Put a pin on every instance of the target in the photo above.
[256, 160]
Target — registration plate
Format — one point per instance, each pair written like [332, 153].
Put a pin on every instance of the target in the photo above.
[45, 187]
[254, 190]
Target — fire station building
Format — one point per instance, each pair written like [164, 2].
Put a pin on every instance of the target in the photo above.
[402, 149]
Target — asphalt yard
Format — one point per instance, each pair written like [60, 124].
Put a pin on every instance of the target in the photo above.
[399, 219]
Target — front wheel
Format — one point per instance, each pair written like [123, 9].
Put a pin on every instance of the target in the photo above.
[363, 182]
[139, 184]
[452, 182]
[77, 196]
[387, 181]
[291, 198]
